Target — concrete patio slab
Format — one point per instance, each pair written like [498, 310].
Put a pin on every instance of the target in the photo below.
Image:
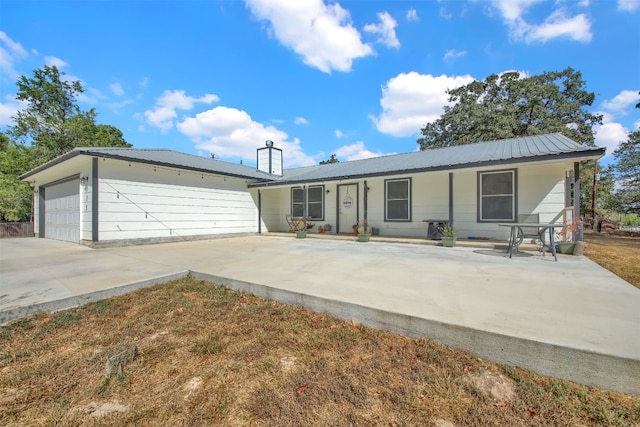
[571, 319]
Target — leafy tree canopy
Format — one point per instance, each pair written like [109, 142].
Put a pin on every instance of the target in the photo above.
[627, 171]
[15, 195]
[52, 122]
[50, 125]
[510, 105]
[332, 159]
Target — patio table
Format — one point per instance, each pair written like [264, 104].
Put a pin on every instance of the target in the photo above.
[516, 236]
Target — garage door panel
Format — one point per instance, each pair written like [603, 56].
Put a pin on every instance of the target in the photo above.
[62, 211]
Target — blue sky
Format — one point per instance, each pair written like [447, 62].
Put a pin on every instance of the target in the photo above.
[356, 78]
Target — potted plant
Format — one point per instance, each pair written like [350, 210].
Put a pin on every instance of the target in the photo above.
[355, 229]
[567, 236]
[301, 230]
[449, 235]
[364, 231]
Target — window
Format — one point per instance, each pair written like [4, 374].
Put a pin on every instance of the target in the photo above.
[397, 199]
[315, 202]
[497, 196]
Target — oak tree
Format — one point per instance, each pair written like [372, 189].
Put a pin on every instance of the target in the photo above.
[510, 105]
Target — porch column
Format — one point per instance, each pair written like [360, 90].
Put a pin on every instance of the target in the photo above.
[576, 199]
[304, 205]
[259, 211]
[451, 199]
[366, 192]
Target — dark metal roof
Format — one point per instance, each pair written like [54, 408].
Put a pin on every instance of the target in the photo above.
[160, 157]
[506, 151]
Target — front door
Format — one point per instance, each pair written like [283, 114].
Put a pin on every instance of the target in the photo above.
[347, 207]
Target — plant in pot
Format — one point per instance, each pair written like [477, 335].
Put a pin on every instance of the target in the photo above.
[449, 235]
[364, 231]
[301, 230]
[567, 236]
[355, 229]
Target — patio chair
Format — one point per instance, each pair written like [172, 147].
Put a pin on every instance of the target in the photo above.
[292, 222]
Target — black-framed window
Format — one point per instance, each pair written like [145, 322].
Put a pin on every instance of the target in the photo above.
[497, 195]
[315, 202]
[397, 199]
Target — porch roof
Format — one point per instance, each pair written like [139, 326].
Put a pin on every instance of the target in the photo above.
[502, 152]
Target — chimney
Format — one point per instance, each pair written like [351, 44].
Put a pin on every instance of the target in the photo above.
[270, 159]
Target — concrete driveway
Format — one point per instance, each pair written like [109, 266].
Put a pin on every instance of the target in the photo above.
[570, 319]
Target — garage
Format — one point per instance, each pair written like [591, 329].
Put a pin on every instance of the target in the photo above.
[62, 211]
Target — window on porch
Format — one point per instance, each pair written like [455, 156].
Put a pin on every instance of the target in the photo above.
[497, 196]
[315, 202]
[397, 199]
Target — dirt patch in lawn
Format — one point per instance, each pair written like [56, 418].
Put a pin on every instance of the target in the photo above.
[618, 253]
[206, 355]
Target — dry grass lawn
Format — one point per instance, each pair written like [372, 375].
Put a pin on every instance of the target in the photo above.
[209, 356]
[617, 253]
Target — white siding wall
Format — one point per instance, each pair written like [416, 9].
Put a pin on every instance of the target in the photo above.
[540, 189]
[429, 200]
[272, 213]
[137, 202]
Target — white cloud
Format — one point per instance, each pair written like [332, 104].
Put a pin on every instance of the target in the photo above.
[301, 121]
[117, 89]
[10, 53]
[144, 82]
[52, 61]
[628, 5]
[622, 101]
[117, 106]
[356, 151]
[90, 95]
[386, 29]
[229, 132]
[9, 108]
[410, 101]
[610, 134]
[453, 54]
[338, 133]
[164, 113]
[445, 14]
[322, 34]
[556, 25]
[412, 16]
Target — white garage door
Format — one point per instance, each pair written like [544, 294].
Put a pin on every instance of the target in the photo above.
[62, 211]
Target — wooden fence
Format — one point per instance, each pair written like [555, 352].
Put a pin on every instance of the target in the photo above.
[10, 230]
